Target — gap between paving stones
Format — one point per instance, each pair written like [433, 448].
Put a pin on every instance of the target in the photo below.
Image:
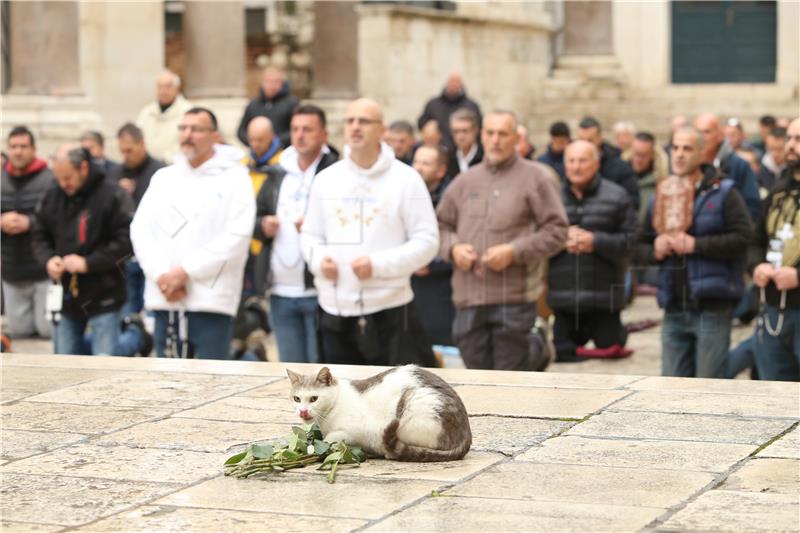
[714, 415]
[775, 439]
[713, 484]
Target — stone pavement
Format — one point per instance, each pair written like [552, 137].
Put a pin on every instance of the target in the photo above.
[119, 444]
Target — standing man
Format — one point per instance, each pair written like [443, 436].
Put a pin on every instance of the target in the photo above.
[585, 282]
[468, 151]
[400, 138]
[776, 252]
[499, 223]
[25, 181]
[134, 177]
[774, 161]
[433, 294]
[96, 144]
[159, 120]
[369, 226]
[274, 102]
[554, 156]
[439, 108]
[280, 209]
[700, 279]
[190, 235]
[82, 238]
[721, 155]
[649, 163]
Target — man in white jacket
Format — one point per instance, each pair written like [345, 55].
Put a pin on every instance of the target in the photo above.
[369, 226]
[159, 120]
[190, 234]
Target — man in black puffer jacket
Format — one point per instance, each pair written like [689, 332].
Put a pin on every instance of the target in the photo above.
[82, 239]
[439, 108]
[273, 102]
[25, 180]
[586, 280]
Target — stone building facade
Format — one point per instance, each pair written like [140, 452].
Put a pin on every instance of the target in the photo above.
[93, 64]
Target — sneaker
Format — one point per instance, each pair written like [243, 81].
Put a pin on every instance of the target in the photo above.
[147, 339]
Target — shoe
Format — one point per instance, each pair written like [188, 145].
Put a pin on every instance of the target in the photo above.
[542, 327]
[147, 339]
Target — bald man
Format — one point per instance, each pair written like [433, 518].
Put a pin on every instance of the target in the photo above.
[274, 102]
[369, 226]
[439, 108]
[159, 120]
[586, 280]
[719, 153]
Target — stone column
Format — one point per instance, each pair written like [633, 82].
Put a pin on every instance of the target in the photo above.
[213, 36]
[588, 28]
[335, 52]
[43, 45]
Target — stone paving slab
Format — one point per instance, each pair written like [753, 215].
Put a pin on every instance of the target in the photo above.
[675, 426]
[28, 527]
[246, 409]
[711, 404]
[460, 514]
[305, 494]
[717, 386]
[723, 510]
[151, 518]
[512, 435]
[585, 484]
[767, 475]
[18, 444]
[787, 446]
[535, 402]
[19, 382]
[193, 434]
[671, 455]
[72, 418]
[71, 500]
[122, 463]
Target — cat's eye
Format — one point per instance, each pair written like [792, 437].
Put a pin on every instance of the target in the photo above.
[312, 399]
[296, 399]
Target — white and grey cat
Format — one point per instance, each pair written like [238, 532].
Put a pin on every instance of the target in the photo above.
[405, 413]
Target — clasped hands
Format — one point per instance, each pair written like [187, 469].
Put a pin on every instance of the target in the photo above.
[496, 258]
[785, 277]
[172, 284]
[579, 241]
[674, 243]
[72, 263]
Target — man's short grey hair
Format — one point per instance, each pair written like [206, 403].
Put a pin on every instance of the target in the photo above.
[624, 125]
[506, 112]
[701, 141]
[402, 126]
[465, 114]
[94, 136]
[176, 80]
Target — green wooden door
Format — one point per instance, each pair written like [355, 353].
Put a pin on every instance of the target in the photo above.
[723, 42]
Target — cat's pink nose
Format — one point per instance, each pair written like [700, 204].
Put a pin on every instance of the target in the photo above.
[304, 414]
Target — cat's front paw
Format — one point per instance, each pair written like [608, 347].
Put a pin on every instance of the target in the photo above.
[337, 436]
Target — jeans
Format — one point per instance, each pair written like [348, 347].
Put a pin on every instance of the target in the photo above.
[69, 334]
[778, 358]
[25, 309]
[295, 325]
[742, 357]
[209, 334]
[135, 281]
[695, 343]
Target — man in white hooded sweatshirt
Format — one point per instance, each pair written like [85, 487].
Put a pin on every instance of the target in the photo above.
[369, 226]
[191, 234]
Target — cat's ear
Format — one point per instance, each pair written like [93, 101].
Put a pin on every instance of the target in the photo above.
[324, 377]
[294, 377]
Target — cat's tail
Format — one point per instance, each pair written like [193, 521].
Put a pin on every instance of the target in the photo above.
[401, 451]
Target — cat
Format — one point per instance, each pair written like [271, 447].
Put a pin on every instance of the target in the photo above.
[405, 413]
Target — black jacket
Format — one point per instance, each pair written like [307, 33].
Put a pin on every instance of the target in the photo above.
[441, 107]
[93, 223]
[595, 281]
[267, 205]
[783, 203]
[452, 161]
[555, 161]
[141, 175]
[613, 168]
[278, 110]
[23, 194]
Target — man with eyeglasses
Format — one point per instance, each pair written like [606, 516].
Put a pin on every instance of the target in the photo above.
[191, 234]
[368, 227]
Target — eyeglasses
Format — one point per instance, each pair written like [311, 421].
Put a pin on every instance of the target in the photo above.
[193, 129]
[361, 121]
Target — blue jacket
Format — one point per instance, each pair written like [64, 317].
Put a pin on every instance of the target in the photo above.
[554, 160]
[737, 169]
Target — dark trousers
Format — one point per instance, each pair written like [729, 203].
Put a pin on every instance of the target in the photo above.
[209, 334]
[390, 337]
[571, 330]
[495, 337]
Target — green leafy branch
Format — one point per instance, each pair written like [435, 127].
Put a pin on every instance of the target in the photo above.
[304, 446]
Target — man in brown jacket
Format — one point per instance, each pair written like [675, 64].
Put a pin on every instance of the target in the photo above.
[499, 222]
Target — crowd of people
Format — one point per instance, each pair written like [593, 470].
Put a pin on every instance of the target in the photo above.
[460, 236]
